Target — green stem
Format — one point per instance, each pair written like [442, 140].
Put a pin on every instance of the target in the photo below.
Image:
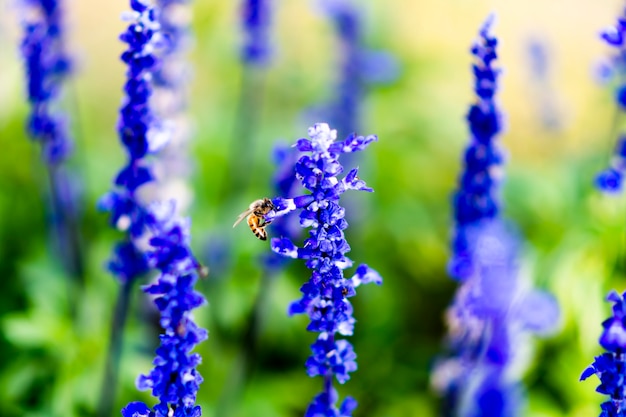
[111, 370]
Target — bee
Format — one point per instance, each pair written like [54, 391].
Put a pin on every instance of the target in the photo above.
[256, 217]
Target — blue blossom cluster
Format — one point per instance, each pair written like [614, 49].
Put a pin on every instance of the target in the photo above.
[175, 29]
[174, 379]
[359, 66]
[127, 212]
[156, 237]
[256, 19]
[47, 64]
[169, 102]
[476, 200]
[494, 311]
[493, 315]
[610, 367]
[611, 179]
[325, 297]
[47, 67]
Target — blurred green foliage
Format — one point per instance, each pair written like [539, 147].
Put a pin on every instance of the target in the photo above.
[54, 337]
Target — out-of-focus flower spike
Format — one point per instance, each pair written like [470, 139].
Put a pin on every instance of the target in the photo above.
[610, 180]
[359, 66]
[494, 310]
[256, 20]
[477, 198]
[172, 132]
[156, 236]
[47, 65]
[544, 95]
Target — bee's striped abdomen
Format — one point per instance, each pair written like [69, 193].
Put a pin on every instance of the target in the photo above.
[259, 231]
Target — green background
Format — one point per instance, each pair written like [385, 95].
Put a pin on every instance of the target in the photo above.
[52, 366]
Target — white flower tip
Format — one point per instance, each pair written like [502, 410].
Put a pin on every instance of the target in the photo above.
[129, 16]
[123, 223]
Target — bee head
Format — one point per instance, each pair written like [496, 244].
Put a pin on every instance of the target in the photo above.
[267, 204]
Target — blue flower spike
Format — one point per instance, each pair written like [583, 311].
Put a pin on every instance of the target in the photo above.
[325, 297]
[156, 237]
[256, 20]
[359, 67]
[136, 129]
[494, 310]
[174, 380]
[477, 197]
[610, 180]
[47, 65]
[610, 367]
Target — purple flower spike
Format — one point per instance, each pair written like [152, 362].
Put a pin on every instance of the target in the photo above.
[174, 379]
[256, 18]
[135, 128]
[610, 367]
[477, 198]
[359, 66]
[325, 296]
[156, 237]
[47, 64]
[610, 179]
[494, 311]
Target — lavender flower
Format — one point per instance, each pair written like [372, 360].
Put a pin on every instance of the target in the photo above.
[169, 100]
[127, 212]
[476, 199]
[135, 130]
[494, 314]
[47, 65]
[611, 179]
[610, 367]
[359, 66]
[494, 311]
[325, 295]
[543, 90]
[174, 379]
[256, 15]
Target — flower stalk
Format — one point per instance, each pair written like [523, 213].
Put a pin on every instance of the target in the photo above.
[155, 236]
[325, 297]
[48, 66]
[494, 310]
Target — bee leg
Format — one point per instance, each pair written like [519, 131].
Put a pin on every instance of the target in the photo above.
[263, 222]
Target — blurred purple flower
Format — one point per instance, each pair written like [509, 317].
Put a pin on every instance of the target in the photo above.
[494, 310]
[256, 19]
[610, 367]
[169, 100]
[156, 237]
[174, 380]
[325, 295]
[611, 179]
[477, 200]
[47, 64]
[494, 313]
[544, 97]
[135, 125]
[359, 67]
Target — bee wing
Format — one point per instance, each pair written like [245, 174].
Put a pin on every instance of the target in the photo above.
[242, 216]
